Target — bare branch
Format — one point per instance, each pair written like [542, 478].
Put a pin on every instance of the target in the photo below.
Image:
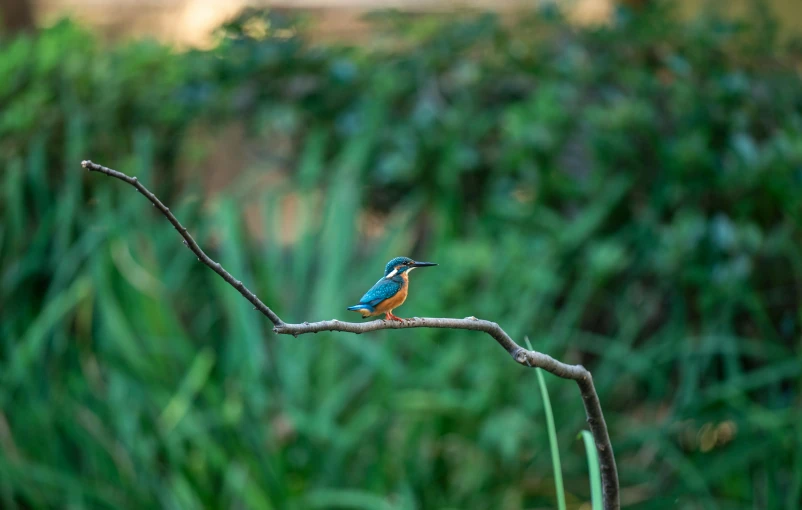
[188, 240]
[578, 373]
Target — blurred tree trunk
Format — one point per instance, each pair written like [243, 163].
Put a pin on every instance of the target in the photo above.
[16, 16]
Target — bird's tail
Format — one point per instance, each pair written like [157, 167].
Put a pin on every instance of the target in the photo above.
[359, 307]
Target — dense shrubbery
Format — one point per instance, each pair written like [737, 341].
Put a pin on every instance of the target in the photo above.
[628, 197]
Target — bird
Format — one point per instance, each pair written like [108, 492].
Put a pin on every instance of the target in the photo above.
[390, 291]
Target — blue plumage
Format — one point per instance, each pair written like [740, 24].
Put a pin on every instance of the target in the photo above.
[383, 289]
[402, 263]
[357, 308]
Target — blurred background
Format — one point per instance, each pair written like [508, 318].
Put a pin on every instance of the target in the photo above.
[620, 182]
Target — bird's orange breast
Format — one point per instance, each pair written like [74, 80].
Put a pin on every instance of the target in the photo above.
[394, 301]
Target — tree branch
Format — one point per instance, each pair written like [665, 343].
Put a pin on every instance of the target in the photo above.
[188, 240]
[578, 373]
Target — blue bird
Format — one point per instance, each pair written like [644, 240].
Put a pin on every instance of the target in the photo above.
[390, 291]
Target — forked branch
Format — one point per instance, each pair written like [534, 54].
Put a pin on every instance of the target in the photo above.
[578, 373]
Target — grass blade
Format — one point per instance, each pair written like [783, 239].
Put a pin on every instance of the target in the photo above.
[555, 451]
[192, 384]
[593, 470]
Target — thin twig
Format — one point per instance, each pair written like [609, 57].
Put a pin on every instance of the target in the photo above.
[188, 240]
[578, 373]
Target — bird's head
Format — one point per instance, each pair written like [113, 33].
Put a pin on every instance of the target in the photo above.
[400, 265]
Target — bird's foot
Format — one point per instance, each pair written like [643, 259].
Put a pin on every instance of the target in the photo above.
[392, 317]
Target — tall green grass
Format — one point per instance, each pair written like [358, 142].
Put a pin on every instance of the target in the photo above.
[594, 472]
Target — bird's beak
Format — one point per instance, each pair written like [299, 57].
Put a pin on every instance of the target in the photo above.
[423, 264]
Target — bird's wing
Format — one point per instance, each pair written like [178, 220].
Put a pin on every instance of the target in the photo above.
[382, 290]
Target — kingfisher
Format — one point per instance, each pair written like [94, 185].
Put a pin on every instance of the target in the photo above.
[390, 291]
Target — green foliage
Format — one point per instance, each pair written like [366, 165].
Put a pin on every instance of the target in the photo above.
[627, 196]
